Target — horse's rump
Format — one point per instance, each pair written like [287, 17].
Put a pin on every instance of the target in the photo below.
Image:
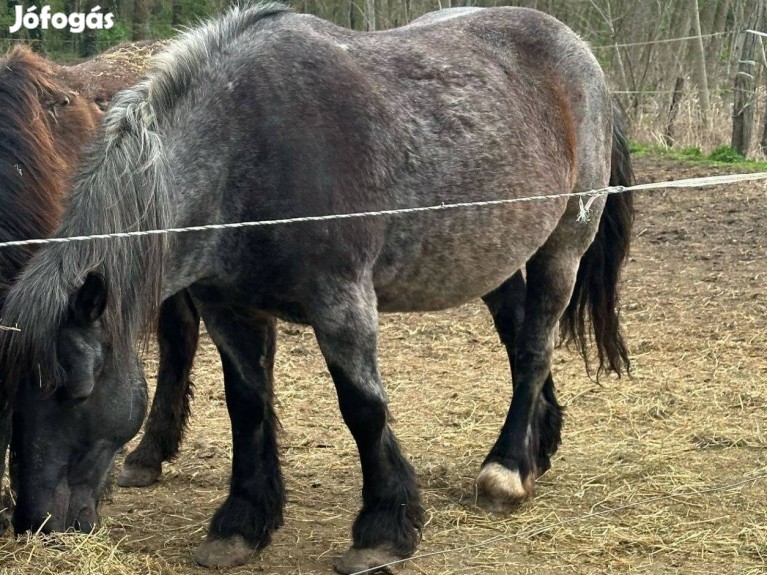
[99, 78]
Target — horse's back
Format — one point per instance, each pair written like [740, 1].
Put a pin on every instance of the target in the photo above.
[477, 106]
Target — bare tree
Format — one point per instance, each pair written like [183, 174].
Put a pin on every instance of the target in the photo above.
[700, 66]
[140, 19]
[745, 84]
[370, 14]
[175, 7]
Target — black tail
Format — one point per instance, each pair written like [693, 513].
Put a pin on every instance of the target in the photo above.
[596, 288]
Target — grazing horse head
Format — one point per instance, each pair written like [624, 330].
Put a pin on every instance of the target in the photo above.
[43, 126]
[49, 113]
[72, 366]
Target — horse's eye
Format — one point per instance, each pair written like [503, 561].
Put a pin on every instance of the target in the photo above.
[56, 104]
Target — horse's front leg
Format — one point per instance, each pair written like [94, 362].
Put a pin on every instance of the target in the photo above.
[388, 526]
[253, 509]
[177, 336]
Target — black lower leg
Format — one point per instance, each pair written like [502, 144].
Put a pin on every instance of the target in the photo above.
[549, 418]
[507, 306]
[391, 514]
[391, 518]
[254, 507]
[178, 334]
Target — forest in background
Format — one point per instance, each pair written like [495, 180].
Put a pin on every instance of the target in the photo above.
[702, 92]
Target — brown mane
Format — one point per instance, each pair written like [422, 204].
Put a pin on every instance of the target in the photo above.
[32, 170]
[45, 123]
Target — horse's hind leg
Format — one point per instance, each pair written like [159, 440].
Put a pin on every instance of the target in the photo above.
[177, 336]
[388, 526]
[253, 509]
[508, 474]
[507, 306]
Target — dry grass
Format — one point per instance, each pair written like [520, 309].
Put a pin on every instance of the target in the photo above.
[691, 418]
[649, 121]
[76, 554]
[134, 56]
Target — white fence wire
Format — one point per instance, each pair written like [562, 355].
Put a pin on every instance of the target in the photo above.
[582, 216]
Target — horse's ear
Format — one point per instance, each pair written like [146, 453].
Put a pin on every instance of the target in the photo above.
[91, 299]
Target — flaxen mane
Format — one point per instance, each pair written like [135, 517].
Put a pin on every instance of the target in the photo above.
[124, 184]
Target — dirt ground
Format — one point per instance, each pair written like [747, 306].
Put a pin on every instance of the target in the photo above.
[691, 420]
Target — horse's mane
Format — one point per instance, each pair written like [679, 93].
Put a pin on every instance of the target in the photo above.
[32, 170]
[124, 184]
[192, 50]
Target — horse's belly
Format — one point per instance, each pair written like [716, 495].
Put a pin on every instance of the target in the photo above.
[431, 288]
[457, 257]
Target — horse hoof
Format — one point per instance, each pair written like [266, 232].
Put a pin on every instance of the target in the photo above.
[370, 561]
[501, 489]
[217, 553]
[136, 476]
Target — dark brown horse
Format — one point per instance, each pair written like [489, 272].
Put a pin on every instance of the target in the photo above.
[49, 112]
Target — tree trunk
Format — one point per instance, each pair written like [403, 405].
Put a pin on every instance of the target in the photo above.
[714, 49]
[175, 10]
[88, 37]
[744, 95]
[672, 54]
[700, 67]
[673, 112]
[370, 14]
[140, 20]
[763, 139]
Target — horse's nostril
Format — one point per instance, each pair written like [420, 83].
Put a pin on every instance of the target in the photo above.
[84, 526]
[85, 521]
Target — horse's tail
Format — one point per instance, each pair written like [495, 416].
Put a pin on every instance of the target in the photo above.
[596, 287]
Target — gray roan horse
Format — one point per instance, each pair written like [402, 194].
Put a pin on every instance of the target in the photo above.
[265, 114]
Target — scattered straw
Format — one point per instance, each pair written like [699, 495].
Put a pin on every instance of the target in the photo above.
[135, 56]
[533, 532]
[75, 554]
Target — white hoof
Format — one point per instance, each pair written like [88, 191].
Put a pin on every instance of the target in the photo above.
[501, 488]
